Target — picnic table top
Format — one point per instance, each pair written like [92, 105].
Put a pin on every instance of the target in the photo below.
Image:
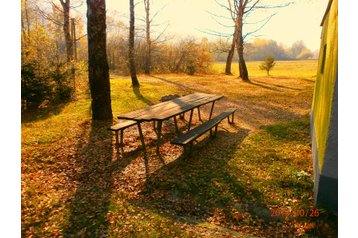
[168, 109]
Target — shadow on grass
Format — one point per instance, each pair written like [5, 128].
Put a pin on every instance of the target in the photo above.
[296, 130]
[203, 187]
[263, 86]
[303, 79]
[182, 86]
[280, 86]
[90, 204]
[141, 97]
[32, 115]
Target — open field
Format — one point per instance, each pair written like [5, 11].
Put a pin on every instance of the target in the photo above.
[252, 180]
[290, 69]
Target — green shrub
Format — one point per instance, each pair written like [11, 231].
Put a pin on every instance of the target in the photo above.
[35, 86]
[44, 75]
[268, 64]
[61, 74]
[190, 67]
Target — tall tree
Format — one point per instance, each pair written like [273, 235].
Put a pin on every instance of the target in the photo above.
[148, 48]
[65, 21]
[67, 29]
[151, 43]
[98, 71]
[230, 54]
[131, 56]
[240, 10]
[25, 18]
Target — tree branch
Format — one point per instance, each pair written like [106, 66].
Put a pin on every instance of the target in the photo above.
[218, 16]
[273, 6]
[79, 38]
[221, 24]
[215, 33]
[259, 28]
[252, 7]
[48, 17]
[160, 34]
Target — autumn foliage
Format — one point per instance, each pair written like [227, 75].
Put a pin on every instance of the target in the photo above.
[43, 75]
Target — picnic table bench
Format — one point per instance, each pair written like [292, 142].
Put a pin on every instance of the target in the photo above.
[119, 127]
[169, 109]
[198, 131]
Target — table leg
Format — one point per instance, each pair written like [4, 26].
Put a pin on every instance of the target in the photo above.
[117, 140]
[159, 128]
[199, 114]
[191, 117]
[176, 125]
[121, 143]
[211, 111]
[154, 128]
[141, 137]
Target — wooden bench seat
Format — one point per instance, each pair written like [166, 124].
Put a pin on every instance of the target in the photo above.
[120, 127]
[195, 133]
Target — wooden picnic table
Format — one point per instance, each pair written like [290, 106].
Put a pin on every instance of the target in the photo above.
[166, 110]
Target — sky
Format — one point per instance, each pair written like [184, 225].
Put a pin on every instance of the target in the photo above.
[299, 21]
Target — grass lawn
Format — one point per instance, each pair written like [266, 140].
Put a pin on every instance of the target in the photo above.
[254, 179]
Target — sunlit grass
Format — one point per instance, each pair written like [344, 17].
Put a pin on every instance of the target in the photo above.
[256, 165]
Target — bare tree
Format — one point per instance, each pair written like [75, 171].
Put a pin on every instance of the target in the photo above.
[230, 54]
[150, 44]
[25, 17]
[98, 71]
[240, 10]
[131, 56]
[66, 28]
[67, 24]
[148, 49]
[74, 39]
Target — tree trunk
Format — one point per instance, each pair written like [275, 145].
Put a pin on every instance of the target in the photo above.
[66, 29]
[27, 18]
[230, 55]
[244, 75]
[132, 67]
[148, 50]
[98, 72]
[74, 44]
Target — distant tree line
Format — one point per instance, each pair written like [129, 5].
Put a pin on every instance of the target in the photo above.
[189, 56]
[182, 55]
[259, 49]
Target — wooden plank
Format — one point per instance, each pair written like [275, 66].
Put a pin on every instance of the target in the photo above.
[122, 125]
[161, 106]
[169, 105]
[188, 137]
[178, 109]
